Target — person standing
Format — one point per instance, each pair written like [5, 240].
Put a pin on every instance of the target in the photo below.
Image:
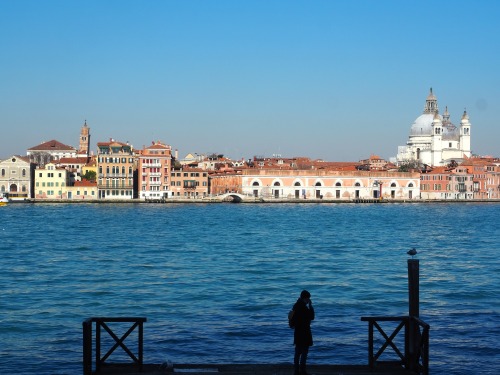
[302, 336]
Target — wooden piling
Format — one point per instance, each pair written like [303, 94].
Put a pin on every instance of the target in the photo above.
[413, 310]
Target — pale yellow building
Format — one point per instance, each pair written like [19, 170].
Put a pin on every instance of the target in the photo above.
[82, 190]
[51, 182]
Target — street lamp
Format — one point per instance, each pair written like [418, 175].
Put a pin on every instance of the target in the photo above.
[379, 184]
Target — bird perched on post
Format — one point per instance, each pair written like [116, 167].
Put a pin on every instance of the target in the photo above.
[412, 252]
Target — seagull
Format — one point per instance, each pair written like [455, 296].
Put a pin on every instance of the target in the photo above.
[412, 252]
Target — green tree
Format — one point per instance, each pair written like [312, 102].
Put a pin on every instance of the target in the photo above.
[89, 175]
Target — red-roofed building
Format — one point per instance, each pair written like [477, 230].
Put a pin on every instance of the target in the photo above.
[47, 152]
[447, 183]
[82, 190]
[73, 166]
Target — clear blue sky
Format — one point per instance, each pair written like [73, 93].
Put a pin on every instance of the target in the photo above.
[336, 80]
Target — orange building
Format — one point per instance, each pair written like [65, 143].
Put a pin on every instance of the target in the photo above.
[116, 165]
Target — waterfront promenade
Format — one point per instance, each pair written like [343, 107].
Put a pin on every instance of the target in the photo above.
[252, 369]
[217, 199]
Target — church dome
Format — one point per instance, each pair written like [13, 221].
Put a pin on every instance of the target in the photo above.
[423, 125]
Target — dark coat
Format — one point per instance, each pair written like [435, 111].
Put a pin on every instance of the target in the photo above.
[303, 316]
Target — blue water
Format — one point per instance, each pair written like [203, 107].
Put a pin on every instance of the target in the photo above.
[216, 281]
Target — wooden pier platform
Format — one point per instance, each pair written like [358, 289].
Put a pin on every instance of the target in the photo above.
[251, 369]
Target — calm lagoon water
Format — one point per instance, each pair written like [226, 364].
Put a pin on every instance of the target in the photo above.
[216, 281]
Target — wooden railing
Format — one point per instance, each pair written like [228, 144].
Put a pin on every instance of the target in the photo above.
[415, 354]
[118, 342]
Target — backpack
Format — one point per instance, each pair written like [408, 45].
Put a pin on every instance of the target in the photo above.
[291, 318]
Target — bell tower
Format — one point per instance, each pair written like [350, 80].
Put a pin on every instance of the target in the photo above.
[465, 135]
[431, 105]
[84, 140]
[436, 140]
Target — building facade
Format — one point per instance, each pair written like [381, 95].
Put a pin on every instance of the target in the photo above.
[154, 165]
[51, 182]
[447, 183]
[434, 140]
[16, 176]
[116, 165]
[189, 183]
[320, 184]
[82, 190]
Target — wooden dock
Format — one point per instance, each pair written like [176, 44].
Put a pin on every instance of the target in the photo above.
[251, 369]
[411, 358]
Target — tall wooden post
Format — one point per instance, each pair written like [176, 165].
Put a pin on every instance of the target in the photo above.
[413, 287]
[413, 310]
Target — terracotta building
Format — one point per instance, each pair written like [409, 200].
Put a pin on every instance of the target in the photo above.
[189, 182]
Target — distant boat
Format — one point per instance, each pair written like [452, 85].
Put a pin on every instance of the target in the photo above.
[4, 199]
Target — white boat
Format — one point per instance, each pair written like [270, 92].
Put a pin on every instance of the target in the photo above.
[4, 199]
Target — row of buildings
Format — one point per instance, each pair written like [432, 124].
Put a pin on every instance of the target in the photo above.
[442, 167]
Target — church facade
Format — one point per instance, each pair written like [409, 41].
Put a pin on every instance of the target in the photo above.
[434, 140]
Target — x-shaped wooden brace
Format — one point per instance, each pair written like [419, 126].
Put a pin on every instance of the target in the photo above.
[119, 342]
[388, 340]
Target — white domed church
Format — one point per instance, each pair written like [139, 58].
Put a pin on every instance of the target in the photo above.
[434, 140]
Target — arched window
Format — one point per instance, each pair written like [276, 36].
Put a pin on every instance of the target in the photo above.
[255, 183]
[357, 184]
[296, 184]
[338, 184]
[23, 173]
[393, 184]
[277, 183]
[410, 184]
[318, 184]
